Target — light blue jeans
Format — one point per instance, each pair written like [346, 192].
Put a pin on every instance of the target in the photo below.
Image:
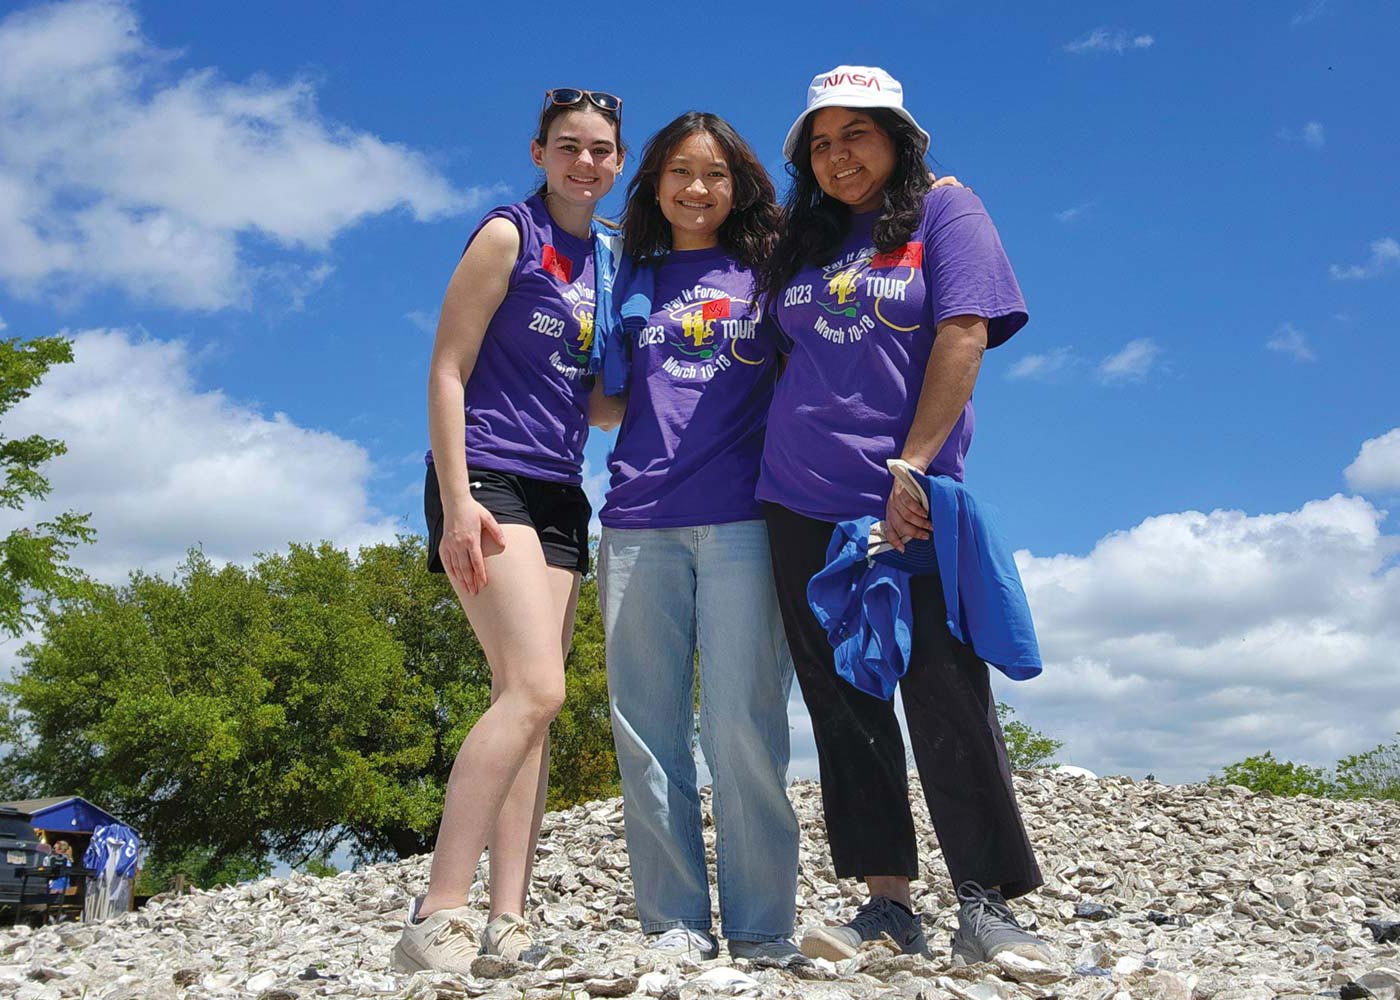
[662, 589]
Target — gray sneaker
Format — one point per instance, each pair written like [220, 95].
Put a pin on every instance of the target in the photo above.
[987, 928]
[775, 951]
[878, 916]
[685, 942]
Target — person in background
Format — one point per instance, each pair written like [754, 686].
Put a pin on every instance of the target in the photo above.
[889, 293]
[62, 856]
[507, 516]
[683, 561]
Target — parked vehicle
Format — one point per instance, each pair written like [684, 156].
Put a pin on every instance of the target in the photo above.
[21, 896]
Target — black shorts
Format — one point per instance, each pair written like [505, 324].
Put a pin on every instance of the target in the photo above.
[559, 513]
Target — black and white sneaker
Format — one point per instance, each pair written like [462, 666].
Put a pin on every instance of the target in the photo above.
[876, 917]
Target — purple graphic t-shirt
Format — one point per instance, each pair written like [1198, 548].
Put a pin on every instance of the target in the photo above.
[861, 330]
[697, 399]
[527, 398]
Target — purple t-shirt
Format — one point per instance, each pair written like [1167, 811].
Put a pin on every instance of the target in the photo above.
[861, 330]
[527, 398]
[697, 399]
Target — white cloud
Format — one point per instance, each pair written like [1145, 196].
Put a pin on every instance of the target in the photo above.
[1041, 366]
[3, 324]
[1309, 13]
[1117, 40]
[1193, 640]
[1311, 134]
[163, 466]
[1385, 254]
[1288, 339]
[1376, 469]
[114, 172]
[1130, 364]
[424, 320]
[1073, 212]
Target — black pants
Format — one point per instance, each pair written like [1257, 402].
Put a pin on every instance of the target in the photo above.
[958, 745]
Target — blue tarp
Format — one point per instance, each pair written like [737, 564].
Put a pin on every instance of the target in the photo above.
[113, 851]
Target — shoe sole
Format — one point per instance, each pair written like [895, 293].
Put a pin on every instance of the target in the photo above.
[820, 944]
[692, 955]
[823, 944]
[965, 956]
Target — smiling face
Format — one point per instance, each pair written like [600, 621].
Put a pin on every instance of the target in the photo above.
[696, 191]
[580, 158]
[852, 157]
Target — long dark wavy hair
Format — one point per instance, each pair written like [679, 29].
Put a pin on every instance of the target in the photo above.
[751, 228]
[814, 224]
[553, 111]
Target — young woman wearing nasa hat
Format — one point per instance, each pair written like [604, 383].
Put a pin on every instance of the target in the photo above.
[889, 293]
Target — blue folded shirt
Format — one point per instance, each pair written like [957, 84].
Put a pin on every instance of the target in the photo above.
[987, 607]
[629, 310]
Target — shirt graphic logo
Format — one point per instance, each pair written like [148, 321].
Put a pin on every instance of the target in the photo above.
[583, 315]
[710, 333]
[557, 264]
[854, 288]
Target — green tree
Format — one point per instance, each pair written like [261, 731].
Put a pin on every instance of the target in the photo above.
[1374, 774]
[33, 560]
[1262, 773]
[200, 869]
[1026, 747]
[281, 710]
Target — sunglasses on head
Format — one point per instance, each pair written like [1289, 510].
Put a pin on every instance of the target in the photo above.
[568, 97]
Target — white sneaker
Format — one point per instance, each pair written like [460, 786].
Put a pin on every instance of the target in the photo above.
[441, 942]
[685, 942]
[507, 936]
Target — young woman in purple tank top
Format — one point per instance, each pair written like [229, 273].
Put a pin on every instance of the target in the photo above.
[683, 562]
[507, 519]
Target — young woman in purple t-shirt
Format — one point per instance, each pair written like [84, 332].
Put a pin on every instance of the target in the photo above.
[507, 518]
[683, 561]
[889, 293]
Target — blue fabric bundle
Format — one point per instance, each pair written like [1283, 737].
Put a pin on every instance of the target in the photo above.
[607, 252]
[863, 602]
[629, 311]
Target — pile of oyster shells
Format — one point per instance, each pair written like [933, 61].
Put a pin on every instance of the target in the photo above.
[1152, 891]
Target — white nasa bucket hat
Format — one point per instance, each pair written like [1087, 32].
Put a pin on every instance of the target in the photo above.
[852, 87]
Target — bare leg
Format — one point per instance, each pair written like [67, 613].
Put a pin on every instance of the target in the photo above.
[894, 887]
[517, 828]
[517, 619]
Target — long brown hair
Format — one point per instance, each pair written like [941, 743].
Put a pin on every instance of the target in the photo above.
[751, 228]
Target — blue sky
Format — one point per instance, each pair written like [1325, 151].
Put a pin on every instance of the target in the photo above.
[246, 214]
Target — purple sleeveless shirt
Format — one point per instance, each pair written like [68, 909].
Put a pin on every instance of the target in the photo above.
[527, 398]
